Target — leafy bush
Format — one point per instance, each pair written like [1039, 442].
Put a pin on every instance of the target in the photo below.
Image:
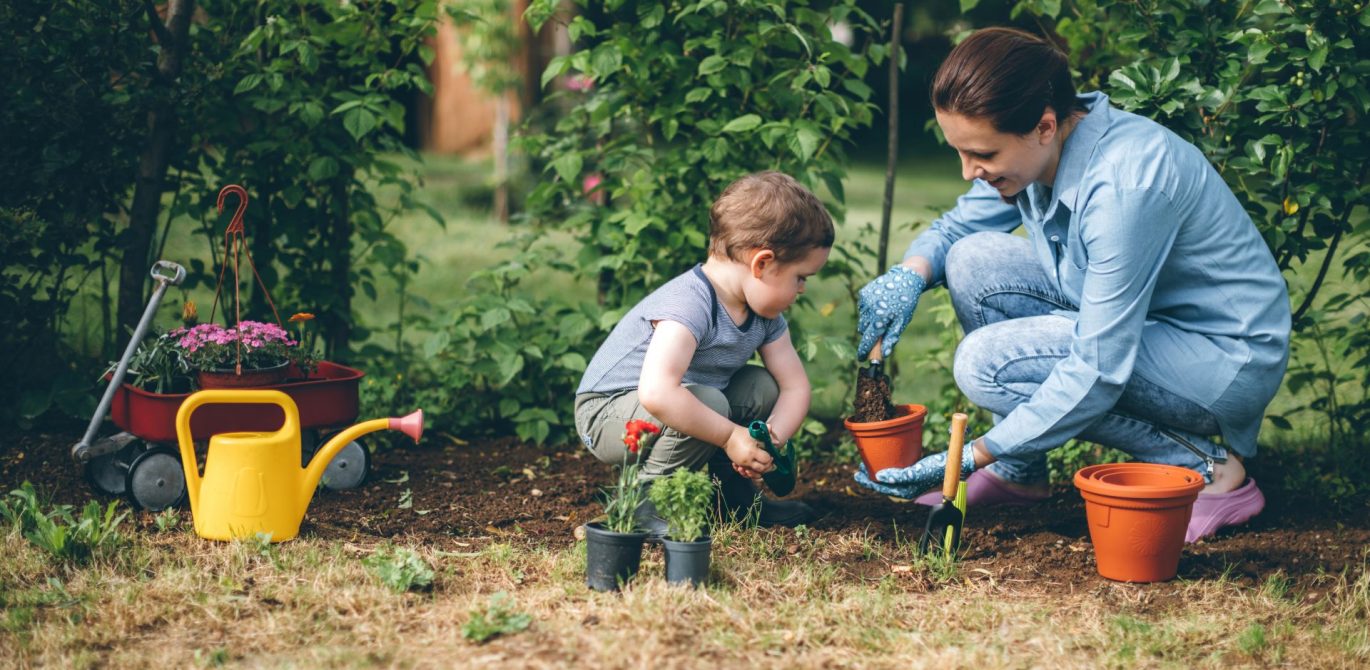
[497, 618]
[504, 359]
[675, 101]
[93, 533]
[400, 569]
[684, 499]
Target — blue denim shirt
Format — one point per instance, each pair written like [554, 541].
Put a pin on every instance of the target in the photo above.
[1143, 235]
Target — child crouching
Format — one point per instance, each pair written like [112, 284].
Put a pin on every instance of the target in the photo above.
[679, 357]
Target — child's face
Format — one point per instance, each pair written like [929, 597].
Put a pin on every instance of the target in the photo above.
[773, 286]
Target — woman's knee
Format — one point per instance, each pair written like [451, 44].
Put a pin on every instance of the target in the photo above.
[972, 365]
[970, 259]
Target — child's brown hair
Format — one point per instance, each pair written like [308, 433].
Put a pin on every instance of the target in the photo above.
[768, 210]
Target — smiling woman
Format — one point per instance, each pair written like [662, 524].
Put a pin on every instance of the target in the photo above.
[1143, 311]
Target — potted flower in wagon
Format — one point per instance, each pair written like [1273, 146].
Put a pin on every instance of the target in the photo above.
[251, 354]
[684, 500]
[613, 548]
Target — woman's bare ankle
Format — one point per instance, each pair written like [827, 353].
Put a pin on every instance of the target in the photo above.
[1227, 477]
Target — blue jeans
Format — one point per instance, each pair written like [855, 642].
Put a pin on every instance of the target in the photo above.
[1018, 326]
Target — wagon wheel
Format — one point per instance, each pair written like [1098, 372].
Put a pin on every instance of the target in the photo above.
[106, 473]
[348, 469]
[156, 480]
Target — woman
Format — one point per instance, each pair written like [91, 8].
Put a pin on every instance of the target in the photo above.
[1142, 311]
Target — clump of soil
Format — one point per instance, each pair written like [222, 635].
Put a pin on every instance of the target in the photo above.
[873, 398]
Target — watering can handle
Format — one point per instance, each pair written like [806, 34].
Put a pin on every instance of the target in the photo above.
[291, 425]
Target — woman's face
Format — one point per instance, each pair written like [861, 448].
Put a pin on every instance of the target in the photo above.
[1006, 161]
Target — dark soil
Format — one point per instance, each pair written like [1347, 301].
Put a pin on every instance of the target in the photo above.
[469, 494]
[872, 397]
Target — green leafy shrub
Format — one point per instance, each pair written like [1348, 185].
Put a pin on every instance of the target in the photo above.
[684, 499]
[504, 359]
[497, 618]
[400, 569]
[92, 533]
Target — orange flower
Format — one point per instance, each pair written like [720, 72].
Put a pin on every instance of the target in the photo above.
[188, 314]
[301, 316]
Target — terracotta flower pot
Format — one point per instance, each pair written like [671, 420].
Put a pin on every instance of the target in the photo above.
[1137, 516]
[894, 443]
[229, 379]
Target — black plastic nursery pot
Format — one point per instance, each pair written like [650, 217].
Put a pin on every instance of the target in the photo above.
[611, 559]
[687, 561]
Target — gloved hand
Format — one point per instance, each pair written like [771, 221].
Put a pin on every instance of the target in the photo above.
[916, 479]
[885, 308]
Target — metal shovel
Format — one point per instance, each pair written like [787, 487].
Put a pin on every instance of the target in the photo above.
[871, 379]
[782, 479]
[945, 519]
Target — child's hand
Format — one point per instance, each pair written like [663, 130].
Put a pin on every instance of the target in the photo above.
[749, 459]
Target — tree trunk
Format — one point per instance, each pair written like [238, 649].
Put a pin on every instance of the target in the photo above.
[152, 165]
[338, 325]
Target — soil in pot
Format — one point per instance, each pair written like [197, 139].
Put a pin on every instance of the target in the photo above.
[687, 562]
[1137, 515]
[895, 443]
[872, 399]
[611, 558]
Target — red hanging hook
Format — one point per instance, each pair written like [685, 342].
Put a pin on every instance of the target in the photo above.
[236, 226]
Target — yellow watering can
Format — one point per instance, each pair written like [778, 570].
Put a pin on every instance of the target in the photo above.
[253, 482]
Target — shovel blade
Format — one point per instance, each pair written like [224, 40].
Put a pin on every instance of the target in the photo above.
[944, 517]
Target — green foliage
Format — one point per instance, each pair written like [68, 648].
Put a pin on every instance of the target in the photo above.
[684, 97]
[504, 359]
[498, 617]
[93, 533]
[400, 569]
[684, 499]
[1275, 94]
[74, 76]
[302, 106]
[158, 366]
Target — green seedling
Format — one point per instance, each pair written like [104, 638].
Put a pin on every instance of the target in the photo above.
[497, 618]
[400, 569]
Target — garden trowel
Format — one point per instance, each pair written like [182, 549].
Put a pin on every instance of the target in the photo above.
[945, 519]
[780, 480]
[872, 381]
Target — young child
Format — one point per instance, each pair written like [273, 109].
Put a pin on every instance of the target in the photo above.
[679, 357]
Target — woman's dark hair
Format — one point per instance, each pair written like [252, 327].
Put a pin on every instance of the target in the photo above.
[1007, 76]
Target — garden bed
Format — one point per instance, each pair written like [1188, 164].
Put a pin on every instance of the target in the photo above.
[454, 495]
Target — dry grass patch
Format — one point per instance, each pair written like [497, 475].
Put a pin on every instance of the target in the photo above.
[779, 598]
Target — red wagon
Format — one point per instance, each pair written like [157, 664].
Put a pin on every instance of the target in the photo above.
[150, 473]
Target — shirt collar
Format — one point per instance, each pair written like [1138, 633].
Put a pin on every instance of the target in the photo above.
[1078, 149]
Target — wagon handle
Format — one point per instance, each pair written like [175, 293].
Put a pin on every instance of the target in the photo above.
[82, 451]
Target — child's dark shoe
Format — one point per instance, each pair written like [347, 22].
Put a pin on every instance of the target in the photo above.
[1219, 510]
[741, 500]
[649, 520]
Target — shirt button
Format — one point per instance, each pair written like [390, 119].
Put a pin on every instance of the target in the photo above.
[1055, 238]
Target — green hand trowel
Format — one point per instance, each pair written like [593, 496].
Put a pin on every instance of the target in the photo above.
[781, 480]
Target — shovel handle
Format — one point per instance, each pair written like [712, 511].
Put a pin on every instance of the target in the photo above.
[874, 355]
[958, 439]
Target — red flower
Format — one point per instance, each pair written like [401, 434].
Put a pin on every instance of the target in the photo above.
[634, 438]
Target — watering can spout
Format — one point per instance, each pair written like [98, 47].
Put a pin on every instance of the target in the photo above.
[411, 425]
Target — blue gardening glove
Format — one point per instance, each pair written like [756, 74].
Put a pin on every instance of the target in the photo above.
[885, 308]
[916, 479]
